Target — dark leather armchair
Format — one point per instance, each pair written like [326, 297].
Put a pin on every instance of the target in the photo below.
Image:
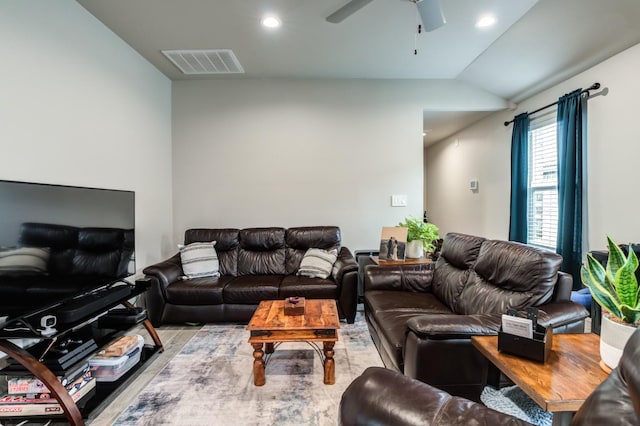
[384, 397]
[421, 318]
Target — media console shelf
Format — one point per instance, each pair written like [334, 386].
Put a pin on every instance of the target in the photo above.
[80, 323]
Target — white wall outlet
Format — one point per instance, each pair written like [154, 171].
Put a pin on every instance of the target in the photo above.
[399, 200]
[473, 184]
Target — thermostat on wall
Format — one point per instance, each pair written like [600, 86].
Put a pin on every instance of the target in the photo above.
[473, 184]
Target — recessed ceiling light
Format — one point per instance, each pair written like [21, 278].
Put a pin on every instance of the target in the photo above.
[271, 21]
[485, 21]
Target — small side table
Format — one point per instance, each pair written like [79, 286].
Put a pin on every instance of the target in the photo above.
[560, 385]
[408, 261]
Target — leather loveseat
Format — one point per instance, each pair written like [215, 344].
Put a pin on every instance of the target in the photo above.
[255, 264]
[421, 318]
[77, 259]
[408, 402]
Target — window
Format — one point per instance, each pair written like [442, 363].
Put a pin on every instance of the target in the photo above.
[542, 215]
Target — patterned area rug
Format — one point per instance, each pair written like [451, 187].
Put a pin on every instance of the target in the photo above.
[512, 400]
[210, 382]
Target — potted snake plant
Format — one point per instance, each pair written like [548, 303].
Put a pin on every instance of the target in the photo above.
[420, 236]
[615, 288]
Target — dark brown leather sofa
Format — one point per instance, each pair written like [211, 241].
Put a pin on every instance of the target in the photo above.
[384, 397]
[255, 264]
[421, 318]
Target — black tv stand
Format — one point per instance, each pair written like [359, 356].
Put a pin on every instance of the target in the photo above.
[78, 321]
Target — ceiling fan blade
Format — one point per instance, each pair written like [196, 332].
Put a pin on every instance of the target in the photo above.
[347, 10]
[431, 14]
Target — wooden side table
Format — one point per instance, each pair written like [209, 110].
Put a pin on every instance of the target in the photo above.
[560, 385]
[408, 261]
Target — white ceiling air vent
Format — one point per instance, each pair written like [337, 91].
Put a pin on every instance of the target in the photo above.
[210, 61]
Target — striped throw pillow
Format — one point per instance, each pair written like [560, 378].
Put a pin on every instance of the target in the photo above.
[317, 263]
[199, 260]
[25, 260]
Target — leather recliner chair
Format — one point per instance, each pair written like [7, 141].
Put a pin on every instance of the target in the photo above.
[384, 397]
[422, 317]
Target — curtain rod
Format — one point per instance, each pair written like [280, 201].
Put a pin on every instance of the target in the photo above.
[594, 86]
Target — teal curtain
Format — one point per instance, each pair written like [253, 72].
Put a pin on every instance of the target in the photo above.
[519, 178]
[570, 182]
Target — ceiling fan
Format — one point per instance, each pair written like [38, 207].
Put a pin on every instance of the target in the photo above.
[429, 10]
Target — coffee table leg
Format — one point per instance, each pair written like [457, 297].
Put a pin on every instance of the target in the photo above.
[269, 348]
[329, 364]
[258, 364]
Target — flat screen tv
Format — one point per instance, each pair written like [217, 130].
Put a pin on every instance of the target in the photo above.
[56, 241]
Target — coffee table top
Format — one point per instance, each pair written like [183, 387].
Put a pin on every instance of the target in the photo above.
[569, 376]
[320, 314]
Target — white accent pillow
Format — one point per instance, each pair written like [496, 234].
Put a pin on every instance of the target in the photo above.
[32, 260]
[317, 263]
[199, 260]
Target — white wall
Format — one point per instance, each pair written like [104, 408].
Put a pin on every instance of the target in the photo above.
[80, 107]
[484, 152]
[304, 152]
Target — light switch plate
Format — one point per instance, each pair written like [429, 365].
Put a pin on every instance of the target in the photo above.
[399, 200]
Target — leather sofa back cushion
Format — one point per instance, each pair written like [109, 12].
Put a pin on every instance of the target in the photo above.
[262, 251]
[459, 254]
[509, 274]
[299, 240]
[227, 241]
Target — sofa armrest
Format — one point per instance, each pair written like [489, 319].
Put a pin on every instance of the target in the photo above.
[160, 276]
[564, 317]
[167, 271]
[415, 278]
[345, 275]
[344, 264]
[442, 327]
[384, 397]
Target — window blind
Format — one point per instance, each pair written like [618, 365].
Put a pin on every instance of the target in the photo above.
[542, 214]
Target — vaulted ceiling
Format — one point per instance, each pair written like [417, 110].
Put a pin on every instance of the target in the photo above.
[533, 45]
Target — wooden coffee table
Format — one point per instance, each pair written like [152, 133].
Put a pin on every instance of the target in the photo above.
[560, 385]
[269, 325]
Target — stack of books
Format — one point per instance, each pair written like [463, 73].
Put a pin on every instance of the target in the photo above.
[28, 396]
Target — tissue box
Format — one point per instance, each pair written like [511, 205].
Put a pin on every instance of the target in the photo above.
[536, 349]
[291, 308]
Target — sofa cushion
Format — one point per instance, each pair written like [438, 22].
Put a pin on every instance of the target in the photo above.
[317, 263]
[459, 254]
[509, 274]
[199, 260]
[30, 260]
[403, 301]
[262, 251]
[311, 288]
[251, 289]
[300, 239]
[227, 242]
[198, 291]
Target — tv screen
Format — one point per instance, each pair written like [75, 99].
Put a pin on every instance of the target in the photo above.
[58, 240]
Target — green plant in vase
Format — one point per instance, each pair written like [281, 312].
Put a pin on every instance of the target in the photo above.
[420, 236]
[615, 288]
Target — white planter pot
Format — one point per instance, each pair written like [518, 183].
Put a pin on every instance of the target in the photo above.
[415, 249]
[613, 337]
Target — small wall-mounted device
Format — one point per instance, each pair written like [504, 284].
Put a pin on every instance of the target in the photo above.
[47, 322]
[399, 200]
[473, 184]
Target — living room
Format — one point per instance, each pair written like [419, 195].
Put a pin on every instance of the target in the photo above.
[81, 107]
